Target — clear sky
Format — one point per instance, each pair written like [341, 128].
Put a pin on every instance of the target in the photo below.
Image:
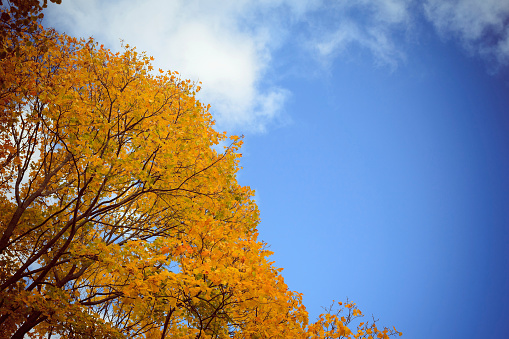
[376, 138]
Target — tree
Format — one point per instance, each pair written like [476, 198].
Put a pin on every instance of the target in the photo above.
[117, 216]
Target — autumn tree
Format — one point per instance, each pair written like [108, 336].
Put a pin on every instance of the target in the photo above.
[118, 218]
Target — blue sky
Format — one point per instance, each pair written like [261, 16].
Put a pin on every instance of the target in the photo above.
[376, 138]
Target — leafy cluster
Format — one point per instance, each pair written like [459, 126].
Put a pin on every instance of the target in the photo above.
[118, 217]
[334, 324]
[19, 16]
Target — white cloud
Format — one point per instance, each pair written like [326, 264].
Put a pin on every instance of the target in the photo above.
[481, 25]
[368, 24]
[387, 11]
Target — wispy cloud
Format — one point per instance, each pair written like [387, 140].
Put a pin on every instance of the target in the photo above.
[368, 24]
[481, 25]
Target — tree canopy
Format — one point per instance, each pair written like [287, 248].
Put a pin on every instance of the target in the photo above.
[118, 216]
